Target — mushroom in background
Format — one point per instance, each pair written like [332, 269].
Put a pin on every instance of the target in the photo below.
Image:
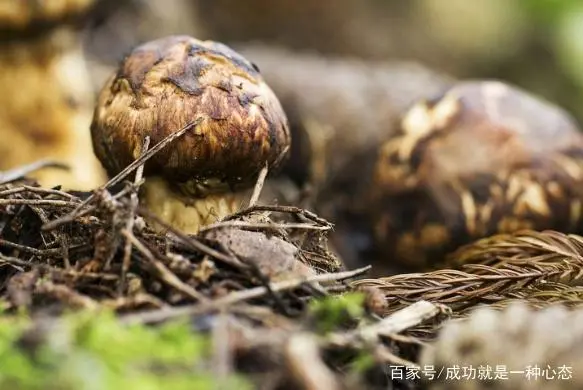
[339, 107]
[162, 86]
[47, 99]
[482, 159]
[340, 111]
[407, 177]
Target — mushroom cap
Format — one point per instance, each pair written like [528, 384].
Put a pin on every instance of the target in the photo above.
[338, 107]
[483, 158]
[163, 85]
[24, 14]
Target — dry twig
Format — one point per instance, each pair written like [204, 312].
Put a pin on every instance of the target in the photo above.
[239, 296]
[129, 228]
[123, 174]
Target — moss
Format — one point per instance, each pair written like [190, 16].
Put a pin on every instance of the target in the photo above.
[95, 352]
[335, 312]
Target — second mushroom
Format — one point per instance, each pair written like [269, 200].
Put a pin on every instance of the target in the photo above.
[162, 86]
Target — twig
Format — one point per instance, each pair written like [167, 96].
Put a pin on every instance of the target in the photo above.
[31, 250]
[37, 202]
[281, 209]
[165, 274]
[133, 301]
[263, 226]
[65, 251]
[266, 282]
[70, 217]
[222, 359]
[123, 174]
[38, 190]
[189, 241]
[303, 358]
[22, 171]
[240, 296]
[125, 265]
[258, 186]
[15, 262]
[397, 322]
[85, 275]
[59, 238]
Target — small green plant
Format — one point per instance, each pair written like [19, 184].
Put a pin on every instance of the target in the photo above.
[336, 312]
[89, 351]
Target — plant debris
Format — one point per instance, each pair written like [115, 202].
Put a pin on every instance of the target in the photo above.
[276, 304]
[527, 265]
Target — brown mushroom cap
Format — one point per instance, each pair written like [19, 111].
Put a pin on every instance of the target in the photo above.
[340, 110]
[163, 85]
[484, 158]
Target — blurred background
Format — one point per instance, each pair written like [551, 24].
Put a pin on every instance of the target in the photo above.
[535, 44]
[342, 64]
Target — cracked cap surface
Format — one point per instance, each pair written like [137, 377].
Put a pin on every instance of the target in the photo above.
[163, 85]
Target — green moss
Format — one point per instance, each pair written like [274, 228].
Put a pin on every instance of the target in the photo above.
[94, 351]
[335, 312]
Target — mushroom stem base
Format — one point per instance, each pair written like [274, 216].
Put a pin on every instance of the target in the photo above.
[188, 214]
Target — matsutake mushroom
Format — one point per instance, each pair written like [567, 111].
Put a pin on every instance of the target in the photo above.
[340, 110]
[47, 98]
[483, 158]
[162, 86]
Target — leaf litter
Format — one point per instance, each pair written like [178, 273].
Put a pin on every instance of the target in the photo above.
[249, 280]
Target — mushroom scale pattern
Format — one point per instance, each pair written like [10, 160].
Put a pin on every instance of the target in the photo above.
[483, 158]
[162, 86]
[411, 164]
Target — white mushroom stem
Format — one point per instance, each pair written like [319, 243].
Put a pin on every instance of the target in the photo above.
[189, 214]
[46, 107]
